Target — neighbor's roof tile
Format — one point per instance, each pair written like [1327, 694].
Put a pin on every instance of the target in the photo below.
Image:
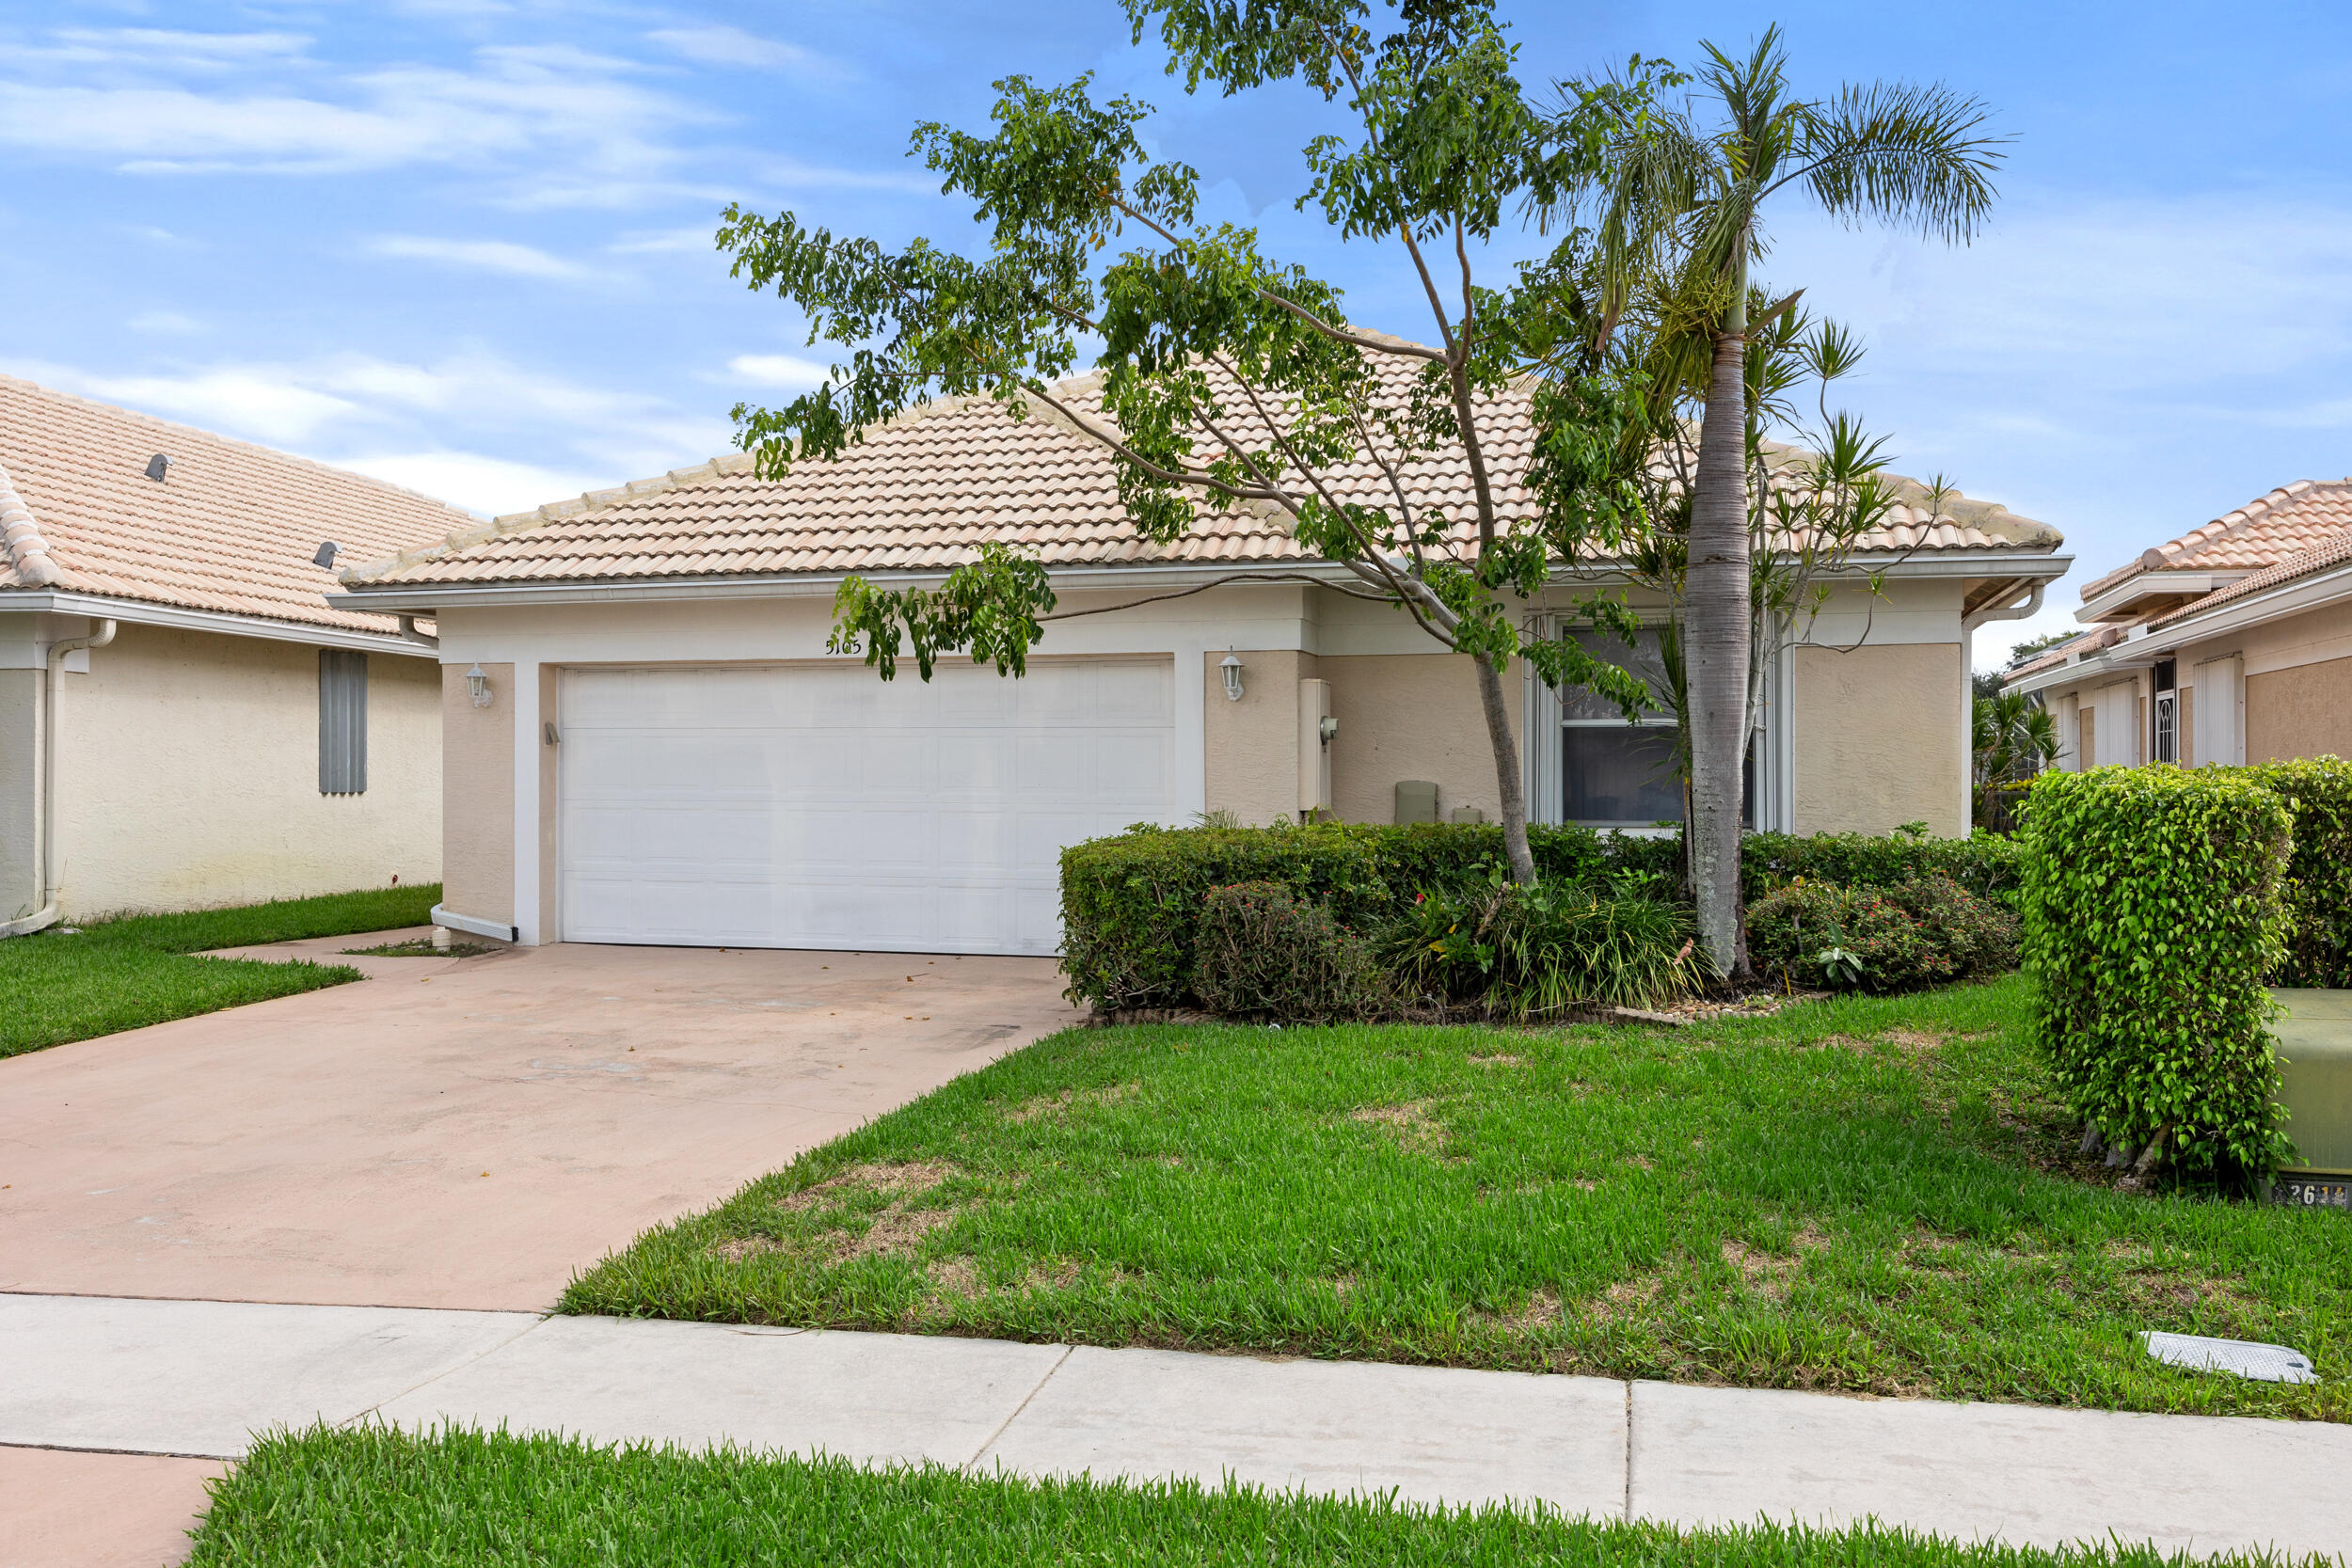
[2263, 532]
[230, 529]
[925, 491]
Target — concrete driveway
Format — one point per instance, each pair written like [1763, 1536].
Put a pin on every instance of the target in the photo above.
[466, 1132]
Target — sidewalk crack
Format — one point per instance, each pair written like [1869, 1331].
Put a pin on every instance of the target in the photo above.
[1628, 1450]
[971, 1466]
[358, 1416]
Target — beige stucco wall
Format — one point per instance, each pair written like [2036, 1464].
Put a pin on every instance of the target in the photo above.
[478, 796]
[20, 891]
[2304, 710]
[1413, 715]
[1877, 740]
[189, 772]
[1251, 746]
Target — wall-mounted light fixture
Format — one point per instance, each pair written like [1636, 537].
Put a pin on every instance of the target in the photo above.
[479, 684]
[1231, 667]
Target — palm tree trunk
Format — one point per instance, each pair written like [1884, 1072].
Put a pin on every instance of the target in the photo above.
[1498, 710]
[1717, 647]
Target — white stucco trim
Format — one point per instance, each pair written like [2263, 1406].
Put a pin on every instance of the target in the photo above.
[2149, 643]
[527, 764]
[137, 612]
[468, 924]
[422, 598]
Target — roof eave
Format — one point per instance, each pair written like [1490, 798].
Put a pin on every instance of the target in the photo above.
[2144, 644]
[390, 598]
[144, 612]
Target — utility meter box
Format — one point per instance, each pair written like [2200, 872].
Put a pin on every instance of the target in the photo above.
[1315, 729]
[2316, 1087]
[1416, 802]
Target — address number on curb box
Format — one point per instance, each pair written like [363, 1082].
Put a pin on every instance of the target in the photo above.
[2313, 1191]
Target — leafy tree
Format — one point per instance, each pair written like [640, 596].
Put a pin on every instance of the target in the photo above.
[2033, 648]
[1230, 380]
[1689, 186]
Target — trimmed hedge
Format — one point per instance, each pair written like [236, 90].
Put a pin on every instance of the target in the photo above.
[2318, 791]
[2154, 910]
[1131, 903]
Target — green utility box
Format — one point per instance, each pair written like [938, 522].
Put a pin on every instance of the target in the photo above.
[2315, 1085]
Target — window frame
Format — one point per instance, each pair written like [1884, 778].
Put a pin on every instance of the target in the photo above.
[1544, 766]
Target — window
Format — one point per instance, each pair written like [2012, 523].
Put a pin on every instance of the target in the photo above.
[342, 722]
[2164, 714]
[1617, 774]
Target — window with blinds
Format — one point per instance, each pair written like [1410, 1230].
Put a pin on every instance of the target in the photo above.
[342, 721]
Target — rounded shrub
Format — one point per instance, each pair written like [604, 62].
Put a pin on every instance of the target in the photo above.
[1266, 953]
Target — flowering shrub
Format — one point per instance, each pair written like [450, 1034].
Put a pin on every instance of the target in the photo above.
[1843, 939]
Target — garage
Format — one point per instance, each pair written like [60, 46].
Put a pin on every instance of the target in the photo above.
[816, 806]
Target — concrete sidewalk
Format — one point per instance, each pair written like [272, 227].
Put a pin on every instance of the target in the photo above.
[195, 1379]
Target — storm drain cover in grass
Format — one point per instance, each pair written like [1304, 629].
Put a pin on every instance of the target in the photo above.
[2265, 1363]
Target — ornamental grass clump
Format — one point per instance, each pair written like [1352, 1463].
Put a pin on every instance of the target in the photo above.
[2154, 908]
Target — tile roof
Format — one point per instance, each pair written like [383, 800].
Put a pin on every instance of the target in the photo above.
[232, 527]
[2332, 551]
[2291, 533]
[2261, 533]
[926, 490]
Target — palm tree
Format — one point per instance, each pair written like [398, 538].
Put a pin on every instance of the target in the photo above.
[2015, 738]
[1687, 196]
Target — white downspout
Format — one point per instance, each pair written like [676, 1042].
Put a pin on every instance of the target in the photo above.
[45, 733]
[1969, 625]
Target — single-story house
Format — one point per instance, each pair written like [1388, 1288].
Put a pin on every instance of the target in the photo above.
[2231, 643]
[669, 753]
[184, 721]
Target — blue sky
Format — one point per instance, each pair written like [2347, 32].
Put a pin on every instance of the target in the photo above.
[464, 243]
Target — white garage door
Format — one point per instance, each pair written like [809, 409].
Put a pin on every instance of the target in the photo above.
[818, 807]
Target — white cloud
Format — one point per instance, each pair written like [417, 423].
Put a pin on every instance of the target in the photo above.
[514, 105]
[2138, 294]
[491, 486]
[661, 241]
[498, 256]
[164, 321]
[154, 47]
[721, 45]
[785, 371]
[397, 418]
[256, 402]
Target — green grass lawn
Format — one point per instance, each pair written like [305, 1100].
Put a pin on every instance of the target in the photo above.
[456, 1499]
[1872, 1195]
[114, 974]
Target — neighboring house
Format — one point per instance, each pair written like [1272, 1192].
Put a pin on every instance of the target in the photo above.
[670, 755]
[2231, 643]
[231, 737]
